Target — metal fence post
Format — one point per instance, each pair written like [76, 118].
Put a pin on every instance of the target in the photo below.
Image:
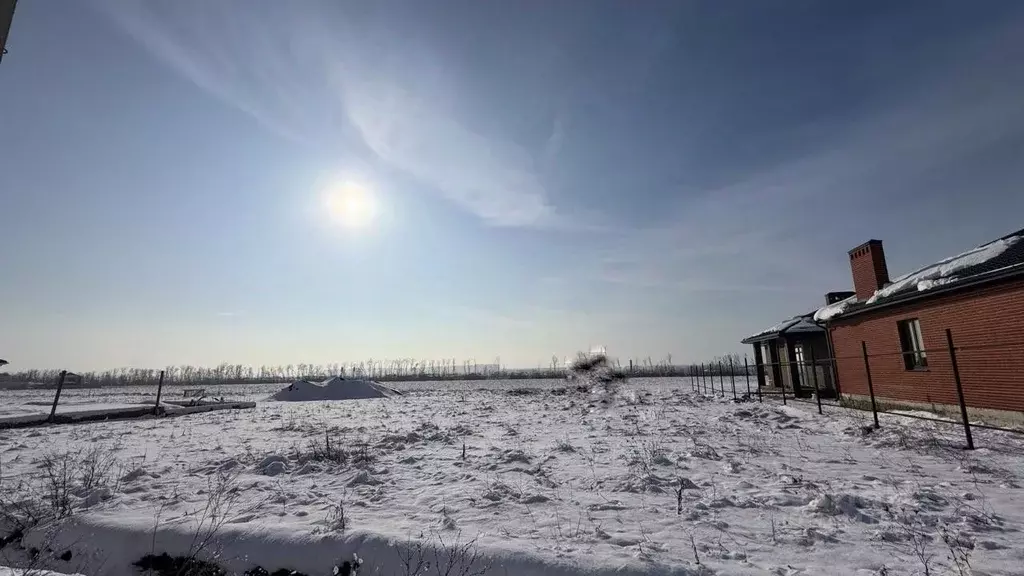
[704, 378]
[159, 391]
[814, 378]
[959, 389]
[871, 386]
[56, 397]
[760, 399]
[747, 374]
[732, 377]
[782, 385]
[721, 378]
[711, 377]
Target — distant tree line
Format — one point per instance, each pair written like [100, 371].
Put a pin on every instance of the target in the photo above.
[407, 370]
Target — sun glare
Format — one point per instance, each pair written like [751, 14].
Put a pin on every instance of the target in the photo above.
[351, 205]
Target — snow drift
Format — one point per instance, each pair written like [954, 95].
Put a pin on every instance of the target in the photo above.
[336, 388]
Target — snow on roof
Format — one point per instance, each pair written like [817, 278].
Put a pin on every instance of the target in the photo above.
[798, 324]
[804, 324]
[830, 311]
[945, 271]
[1002, 255]
[774, 329]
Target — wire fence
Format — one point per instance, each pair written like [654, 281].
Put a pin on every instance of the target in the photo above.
[955, 379]
[993, 377]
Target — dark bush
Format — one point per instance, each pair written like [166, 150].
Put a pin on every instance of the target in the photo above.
[165, 565]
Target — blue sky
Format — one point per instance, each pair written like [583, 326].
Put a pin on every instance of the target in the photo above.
[656, 177]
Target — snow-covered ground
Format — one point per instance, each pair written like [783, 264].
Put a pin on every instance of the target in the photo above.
[661, 481]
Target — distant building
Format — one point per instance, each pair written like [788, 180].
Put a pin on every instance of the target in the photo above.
[902, 323]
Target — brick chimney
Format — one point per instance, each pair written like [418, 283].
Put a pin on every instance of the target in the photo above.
[867, 262]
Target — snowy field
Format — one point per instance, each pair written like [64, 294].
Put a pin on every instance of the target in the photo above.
[477, 478]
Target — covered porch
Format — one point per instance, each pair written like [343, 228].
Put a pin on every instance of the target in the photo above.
[792, 356]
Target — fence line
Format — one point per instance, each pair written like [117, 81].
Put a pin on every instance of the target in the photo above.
[767, 372]
[701, 376]
[839, 406]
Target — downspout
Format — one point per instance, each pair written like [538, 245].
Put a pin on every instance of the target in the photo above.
[832, 356]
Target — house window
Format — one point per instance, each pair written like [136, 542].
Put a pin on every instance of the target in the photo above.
[914, 357]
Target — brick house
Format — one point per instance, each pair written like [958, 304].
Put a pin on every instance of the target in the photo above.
[978, 296]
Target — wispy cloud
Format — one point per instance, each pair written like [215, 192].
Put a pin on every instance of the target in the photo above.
[788, 226]
[309, 72]
[489, 177]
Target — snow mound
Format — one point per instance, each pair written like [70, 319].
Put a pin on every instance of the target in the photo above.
[336, 388]
[843, 505]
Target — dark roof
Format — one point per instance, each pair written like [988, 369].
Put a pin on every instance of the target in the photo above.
[995, 260]
[803, 324]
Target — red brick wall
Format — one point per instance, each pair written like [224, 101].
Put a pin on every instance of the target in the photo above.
[992, 377]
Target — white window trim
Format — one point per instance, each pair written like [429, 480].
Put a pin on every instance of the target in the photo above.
[915, 340]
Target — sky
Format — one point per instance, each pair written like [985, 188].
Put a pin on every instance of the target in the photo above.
[659, 178]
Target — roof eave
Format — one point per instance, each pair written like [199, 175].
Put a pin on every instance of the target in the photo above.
[760, 338]
[933, 293]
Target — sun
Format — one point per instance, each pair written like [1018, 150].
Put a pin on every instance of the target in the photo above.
[351, 205]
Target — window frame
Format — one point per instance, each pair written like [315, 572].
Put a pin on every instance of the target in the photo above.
[914, 353]
[766, 351]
